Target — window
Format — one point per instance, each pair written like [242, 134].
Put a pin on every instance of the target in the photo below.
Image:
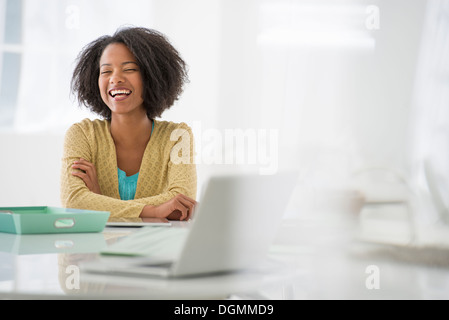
[10, 58]
[429, 150]
[39, 43]
[308, 53]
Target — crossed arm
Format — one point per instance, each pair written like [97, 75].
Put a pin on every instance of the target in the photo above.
[180, 207]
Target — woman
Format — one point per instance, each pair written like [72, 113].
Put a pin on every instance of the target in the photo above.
[128, 163]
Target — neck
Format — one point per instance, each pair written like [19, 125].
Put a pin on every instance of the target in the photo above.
[130, 131]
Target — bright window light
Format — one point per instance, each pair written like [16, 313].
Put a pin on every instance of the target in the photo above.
[308, 25]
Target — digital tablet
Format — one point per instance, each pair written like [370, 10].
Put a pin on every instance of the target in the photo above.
[138, 222]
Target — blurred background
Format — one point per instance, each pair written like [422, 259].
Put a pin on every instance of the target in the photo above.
[352, 94]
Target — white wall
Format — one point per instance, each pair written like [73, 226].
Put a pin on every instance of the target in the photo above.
[30, 166]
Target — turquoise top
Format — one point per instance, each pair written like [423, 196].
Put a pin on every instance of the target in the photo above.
[127, 185]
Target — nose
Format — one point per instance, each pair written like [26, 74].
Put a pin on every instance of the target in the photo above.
[116, 77]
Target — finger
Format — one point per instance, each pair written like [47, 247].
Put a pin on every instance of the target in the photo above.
[191, 203]
[88, 167]
[82, 160]
[188, 202]
[186, 198]
[86, 171]
[85, 162]
[189, 207]
[179, 205]
[190, 210]
[83, 176]
[81, 167]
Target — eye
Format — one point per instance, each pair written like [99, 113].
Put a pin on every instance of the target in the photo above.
[105, 72]
[130, 70]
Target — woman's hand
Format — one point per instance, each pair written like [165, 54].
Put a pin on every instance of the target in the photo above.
[180, 207]
[88, 173]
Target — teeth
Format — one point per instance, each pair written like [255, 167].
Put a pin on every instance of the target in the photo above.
[116, 92]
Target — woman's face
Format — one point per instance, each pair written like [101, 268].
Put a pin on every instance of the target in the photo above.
[120, 81]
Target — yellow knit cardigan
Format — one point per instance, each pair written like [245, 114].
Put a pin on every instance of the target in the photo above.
[167, 168]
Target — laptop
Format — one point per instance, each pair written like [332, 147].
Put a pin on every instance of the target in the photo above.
[235, 223]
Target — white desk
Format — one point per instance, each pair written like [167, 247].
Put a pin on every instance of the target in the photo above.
[45, 266]
[316, 265]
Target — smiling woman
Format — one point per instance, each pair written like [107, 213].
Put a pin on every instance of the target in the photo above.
[128, 79]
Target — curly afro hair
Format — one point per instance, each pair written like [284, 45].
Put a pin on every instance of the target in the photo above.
[163, 71]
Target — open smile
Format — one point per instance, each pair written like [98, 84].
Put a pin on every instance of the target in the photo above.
[119, 93]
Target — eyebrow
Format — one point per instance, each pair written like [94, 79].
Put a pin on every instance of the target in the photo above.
[124, 63]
